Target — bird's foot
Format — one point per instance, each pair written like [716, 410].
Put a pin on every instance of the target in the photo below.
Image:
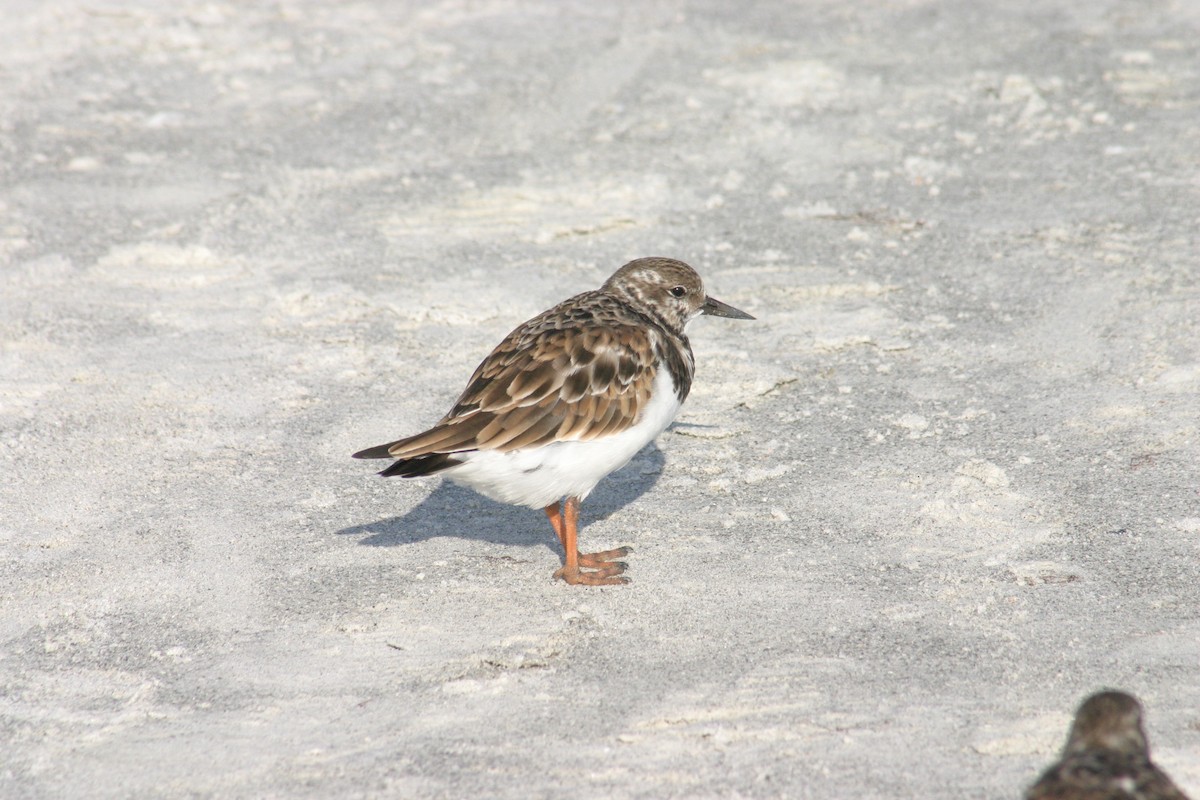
[600, 577]
[602, 569]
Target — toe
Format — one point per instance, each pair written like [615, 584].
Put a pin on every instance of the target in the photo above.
[594, 563]
[604, 558]
[600, 577]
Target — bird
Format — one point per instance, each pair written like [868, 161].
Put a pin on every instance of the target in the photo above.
[567, 398]
[1107, 757]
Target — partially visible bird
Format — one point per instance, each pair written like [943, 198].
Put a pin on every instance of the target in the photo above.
[568, 397]
[1107, 757]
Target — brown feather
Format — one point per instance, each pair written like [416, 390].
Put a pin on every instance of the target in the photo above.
[540, 432]
[594, 389]
[576, 386]
[444, 438]
[604, 373]
[534, 381]
[562, 374]
[504, 426]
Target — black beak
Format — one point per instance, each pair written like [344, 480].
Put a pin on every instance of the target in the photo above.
[716, 308]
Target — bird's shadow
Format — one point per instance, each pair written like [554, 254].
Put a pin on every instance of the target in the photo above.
[451, 510]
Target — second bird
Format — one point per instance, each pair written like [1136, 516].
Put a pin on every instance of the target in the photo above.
[1107, 757]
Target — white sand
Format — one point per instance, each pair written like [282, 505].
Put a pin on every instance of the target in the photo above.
[946, 486]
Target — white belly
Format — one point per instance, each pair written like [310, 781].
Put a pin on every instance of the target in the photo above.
[540, 476]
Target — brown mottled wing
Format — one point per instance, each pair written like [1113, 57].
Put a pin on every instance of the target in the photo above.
[1104, 775]
[552, 378]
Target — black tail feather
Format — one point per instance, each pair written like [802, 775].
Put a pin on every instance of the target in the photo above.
[415, 467]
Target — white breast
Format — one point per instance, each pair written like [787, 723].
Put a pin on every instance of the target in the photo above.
[539, 476]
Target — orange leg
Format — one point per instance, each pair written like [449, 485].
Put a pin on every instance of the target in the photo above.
[606, 571]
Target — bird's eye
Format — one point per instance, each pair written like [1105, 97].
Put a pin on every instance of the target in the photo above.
[678, 291]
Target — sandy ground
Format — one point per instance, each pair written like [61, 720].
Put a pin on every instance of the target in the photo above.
[947, 485]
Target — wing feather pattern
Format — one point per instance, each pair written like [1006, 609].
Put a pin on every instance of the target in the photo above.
[552, 378]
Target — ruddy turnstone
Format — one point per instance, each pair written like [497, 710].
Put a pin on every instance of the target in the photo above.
[1107, 757]
[568, 397]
